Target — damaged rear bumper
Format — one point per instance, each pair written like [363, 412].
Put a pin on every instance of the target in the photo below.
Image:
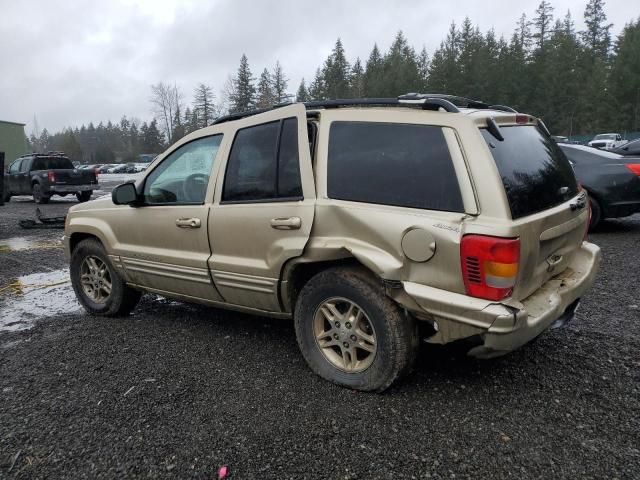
[504, 327]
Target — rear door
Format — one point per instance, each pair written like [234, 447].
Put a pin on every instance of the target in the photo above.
[262, 215]
[550, 215]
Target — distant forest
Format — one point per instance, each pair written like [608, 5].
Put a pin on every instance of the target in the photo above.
[578, 81]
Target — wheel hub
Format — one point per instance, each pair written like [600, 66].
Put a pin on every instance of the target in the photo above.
[345, 334]
[95, 279]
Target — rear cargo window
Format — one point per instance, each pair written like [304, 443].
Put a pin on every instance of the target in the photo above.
[396, 164]
[534, 170]
[52, 163]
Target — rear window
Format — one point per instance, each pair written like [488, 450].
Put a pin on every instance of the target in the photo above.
[396, 164]
[51, 163]
[534, 170]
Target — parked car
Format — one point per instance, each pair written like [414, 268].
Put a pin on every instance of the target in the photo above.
[44, 175]
[560, 139]
[630, 149]
[612, 180]
[607, 141]
[359, 223]
[104, 168]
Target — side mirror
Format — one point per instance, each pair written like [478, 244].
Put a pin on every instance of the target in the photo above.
[124, 194]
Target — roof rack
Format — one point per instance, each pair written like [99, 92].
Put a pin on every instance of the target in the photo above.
[48, 154]
[425, 101]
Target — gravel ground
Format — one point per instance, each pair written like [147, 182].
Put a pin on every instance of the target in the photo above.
[175, 391]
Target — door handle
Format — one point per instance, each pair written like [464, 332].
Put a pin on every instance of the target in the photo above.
[286, 223]
[188, 222]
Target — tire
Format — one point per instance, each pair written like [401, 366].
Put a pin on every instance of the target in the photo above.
[121, 299]
[84, 196]
[596, 214]
[38, 196]
[396, 335]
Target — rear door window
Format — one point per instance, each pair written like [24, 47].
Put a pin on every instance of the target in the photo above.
[395, 164]
[535, 172]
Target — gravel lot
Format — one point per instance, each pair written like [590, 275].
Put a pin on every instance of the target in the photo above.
[176, 391]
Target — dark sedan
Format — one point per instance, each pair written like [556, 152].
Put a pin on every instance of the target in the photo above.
[612, 180]
[629, 149]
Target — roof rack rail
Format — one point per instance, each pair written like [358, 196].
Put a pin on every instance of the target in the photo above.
[503, 108]
[425, 101]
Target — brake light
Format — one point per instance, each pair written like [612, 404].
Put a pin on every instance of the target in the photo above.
[489, 265]
[634, 167]
[522, 119]
[51, 176]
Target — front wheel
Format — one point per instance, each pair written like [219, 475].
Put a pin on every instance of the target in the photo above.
[98, 286]
[84, 196]
[38, 195]
[351, 333]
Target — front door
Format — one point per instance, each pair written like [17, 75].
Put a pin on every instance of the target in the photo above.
[262, 216]
[163, 244]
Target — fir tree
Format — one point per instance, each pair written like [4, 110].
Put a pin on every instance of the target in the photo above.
[244, 91]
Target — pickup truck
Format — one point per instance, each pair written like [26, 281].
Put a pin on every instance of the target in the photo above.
[44, 175]
[607, 141]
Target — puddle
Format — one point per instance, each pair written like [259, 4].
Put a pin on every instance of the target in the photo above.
[17, 244]
[32, 297]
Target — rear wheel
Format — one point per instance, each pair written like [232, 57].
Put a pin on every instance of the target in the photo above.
[351, 333]
[84, 196]
[99, 288]
[596, 214]
[38, 195]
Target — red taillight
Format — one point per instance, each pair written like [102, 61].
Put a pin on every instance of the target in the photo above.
[522, 119]
[489, 265]
[51, 176]
[634, 167]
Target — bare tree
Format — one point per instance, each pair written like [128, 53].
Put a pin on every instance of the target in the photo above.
[166, 100]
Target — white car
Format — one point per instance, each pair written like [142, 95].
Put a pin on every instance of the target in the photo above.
[607, 141]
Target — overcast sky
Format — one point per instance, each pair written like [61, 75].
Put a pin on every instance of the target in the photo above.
[69, 63]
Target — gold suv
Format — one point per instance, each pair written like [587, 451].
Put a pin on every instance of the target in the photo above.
[361, 220]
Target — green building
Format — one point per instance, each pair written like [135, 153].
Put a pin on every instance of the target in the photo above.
[12, 140]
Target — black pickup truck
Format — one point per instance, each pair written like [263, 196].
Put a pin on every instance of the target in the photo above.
[44, 175]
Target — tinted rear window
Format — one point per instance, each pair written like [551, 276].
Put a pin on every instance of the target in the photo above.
[534, 170]
[51, 163]
[397, 164]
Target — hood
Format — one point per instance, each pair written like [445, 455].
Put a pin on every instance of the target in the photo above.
[100, 202]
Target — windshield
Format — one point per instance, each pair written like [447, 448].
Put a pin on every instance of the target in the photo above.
[605, 136]
[535, 172]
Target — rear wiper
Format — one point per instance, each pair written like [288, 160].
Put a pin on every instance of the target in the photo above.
[494, 129]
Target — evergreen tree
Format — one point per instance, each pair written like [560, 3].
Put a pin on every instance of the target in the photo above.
[400, 68]
[336, 73]
[152, 140]
[357, 80]
[423, 70]
[543, 24]
[373, 75]
[244, 91]
[178, 127]
[302, 95]
[317, 88]
[625, 78]
[444, 72]
[266, 95]
[203, 108]
[279, 83]
[597, 36]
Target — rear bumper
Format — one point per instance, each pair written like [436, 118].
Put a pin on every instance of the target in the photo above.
[72, 188]
[504, 327]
